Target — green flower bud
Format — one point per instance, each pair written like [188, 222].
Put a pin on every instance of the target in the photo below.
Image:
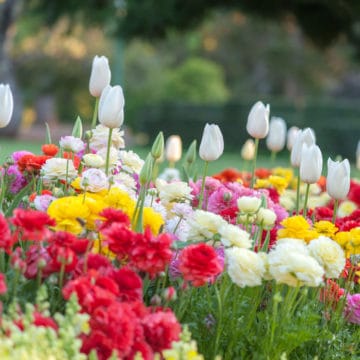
[157, 148]
[146, 170]
[191, 153]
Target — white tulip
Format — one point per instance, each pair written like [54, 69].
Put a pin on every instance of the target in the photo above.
[258, 120]
[6, 105]
[212, 143]
[248, 150]
[310, 164]
[100, 75]
[275, 141]
[291, 136]
[111, 107]
[338, 179]
[173, 148]
[305, 136]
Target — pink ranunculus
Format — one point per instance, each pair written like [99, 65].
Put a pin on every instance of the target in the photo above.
[352, 309]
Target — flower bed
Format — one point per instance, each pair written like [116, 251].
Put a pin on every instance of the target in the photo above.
[101, 257]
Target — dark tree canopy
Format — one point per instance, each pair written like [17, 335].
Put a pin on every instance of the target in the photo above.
[323, 21]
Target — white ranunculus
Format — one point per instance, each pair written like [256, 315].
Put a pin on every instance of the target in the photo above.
[245, 267]
[177, 191]
[338, 179]
[329, 255]
[258, 120]
[94, 180]
[212, 143]
[100, 75]
[111, 107]
[100, 135]
[71, 143]
[58, 168]
[290, 263]
[232, 235]
[130, 161]
[93, 160]
[266, 217]
[6, 105]
[248, 204]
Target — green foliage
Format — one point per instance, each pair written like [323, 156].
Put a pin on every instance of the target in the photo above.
[196, 81]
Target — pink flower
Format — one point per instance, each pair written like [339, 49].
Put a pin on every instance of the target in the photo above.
[352, 309]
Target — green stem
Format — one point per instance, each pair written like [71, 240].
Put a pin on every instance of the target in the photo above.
[273, 156]
[94, 119]
[108, 152]
[254, 163]
[306, 199]
[336, 207]
[201, 196]
[298, 193]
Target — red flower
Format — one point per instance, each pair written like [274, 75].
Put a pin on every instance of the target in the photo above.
[199, 264]
[6, 240]
[161, 329]
[32, 163]
[129, 283]
[49, 149]
[36, 257]
[354, 193]
[113, 216]
[16, 260]
[3, 287]
[230, 214]
[331, 293]
[120, 239]
[228, 175]
[69, 155]
[151, 254]
[39, 320]
[32, 223]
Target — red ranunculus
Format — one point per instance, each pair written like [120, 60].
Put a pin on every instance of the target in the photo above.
[49, 149]
[6, 240]
[31, 163]
[3, 287]
[113, 216]
[199, 264]
[161, 329]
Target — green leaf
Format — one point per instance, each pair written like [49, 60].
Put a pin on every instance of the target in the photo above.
[48, 134]
[78, 128]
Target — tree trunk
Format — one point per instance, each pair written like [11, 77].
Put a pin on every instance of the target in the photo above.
[7, 76]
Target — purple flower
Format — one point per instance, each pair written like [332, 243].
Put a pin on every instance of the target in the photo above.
[352, 308]
[18, 181]
[18, 154]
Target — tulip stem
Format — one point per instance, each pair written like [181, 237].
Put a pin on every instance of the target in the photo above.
[108, 152]
[298, 192]
[306, 199]
[94, 119]
[254, 163]
[273, 156]
[201, 196]
[336, 207]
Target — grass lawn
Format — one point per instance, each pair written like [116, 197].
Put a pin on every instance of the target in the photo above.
[227, 160]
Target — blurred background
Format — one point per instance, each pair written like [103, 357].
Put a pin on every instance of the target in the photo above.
[184, 63]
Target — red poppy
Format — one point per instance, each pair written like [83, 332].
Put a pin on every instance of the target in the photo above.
[32, 163]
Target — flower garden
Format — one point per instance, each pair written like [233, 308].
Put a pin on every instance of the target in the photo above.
[104, 256]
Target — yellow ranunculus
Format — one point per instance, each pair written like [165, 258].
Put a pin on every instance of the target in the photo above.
[326, 228]
[298, 228]
[153, 219]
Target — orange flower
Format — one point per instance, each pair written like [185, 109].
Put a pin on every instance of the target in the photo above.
[49, 149]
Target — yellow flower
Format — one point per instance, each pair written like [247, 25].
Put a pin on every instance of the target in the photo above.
[342, 238]
[298, 228]
[70, 213]
[153, 219]
[96, 204]
[262, 184]
[76, 183]
[326, 228]
[286, 173]
[279, 183]
[346, 208]
[120, 199]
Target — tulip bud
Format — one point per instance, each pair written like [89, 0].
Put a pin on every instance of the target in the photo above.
[146, 170]
[310, 164]
[157, 149]
[111, 107]
[276, 138]
[100, 75]
[6, 105]
[248, 204]
[258, 120]
[248, 150]
[305, 136]
[173, 149]
[212, 143]
[338, 179]
[291, 136]
[191, 153]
